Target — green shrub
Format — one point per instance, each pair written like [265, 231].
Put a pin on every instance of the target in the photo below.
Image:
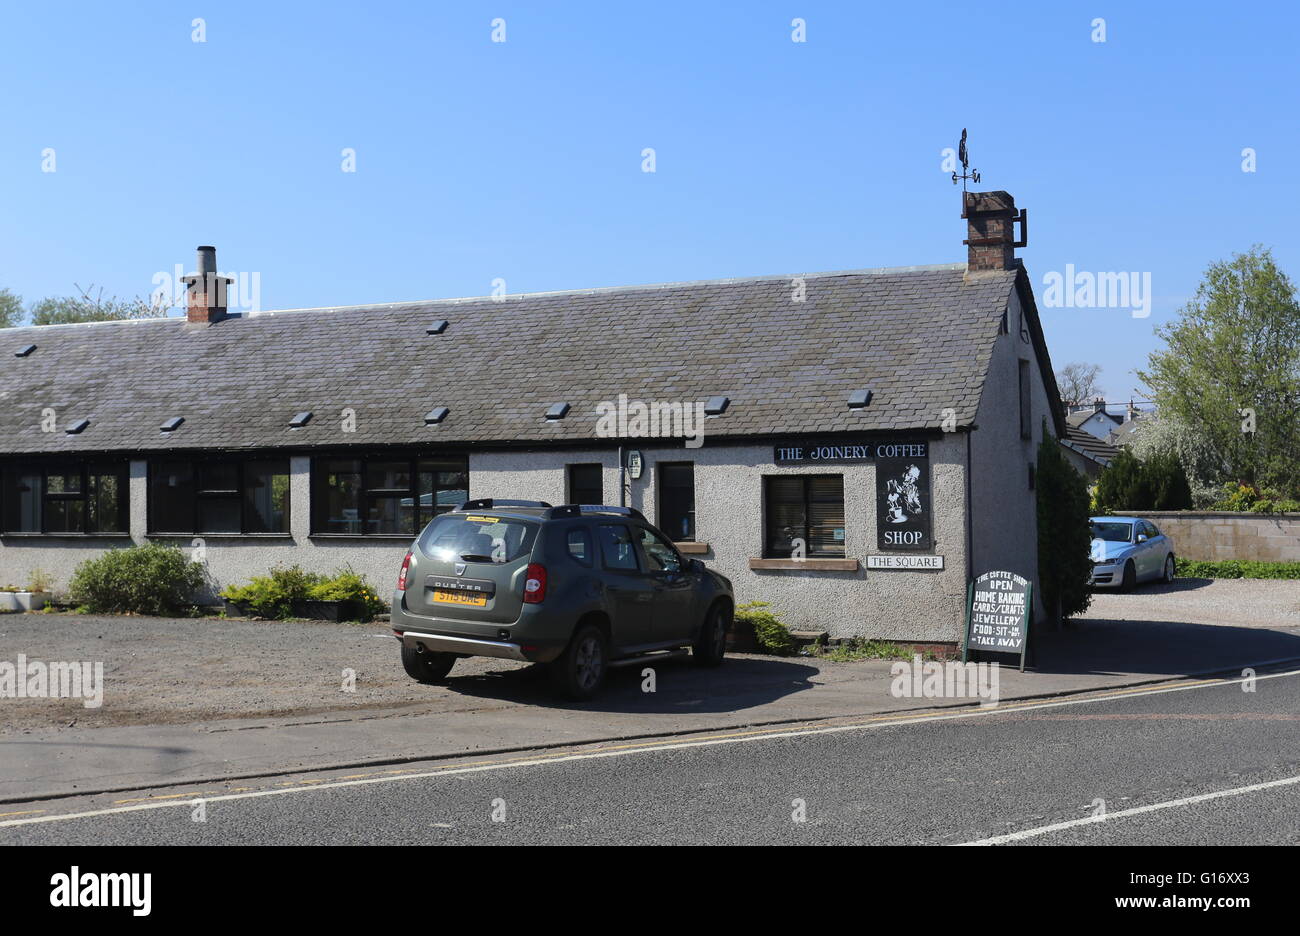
[1064, 536]
[864, 648]
[274, 595]
[772, 635]
[347, 585]
[1236, 569]
[1129, 483]
[150, 579]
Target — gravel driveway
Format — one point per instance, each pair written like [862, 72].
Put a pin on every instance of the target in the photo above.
[165, 671]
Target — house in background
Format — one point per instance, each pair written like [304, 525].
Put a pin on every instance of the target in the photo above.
[868, 437]
[1085, 452]
[1094, 419]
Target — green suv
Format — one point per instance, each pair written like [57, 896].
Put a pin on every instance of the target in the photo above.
[580, 587]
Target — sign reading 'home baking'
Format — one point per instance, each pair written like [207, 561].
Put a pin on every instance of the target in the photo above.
[902, 484]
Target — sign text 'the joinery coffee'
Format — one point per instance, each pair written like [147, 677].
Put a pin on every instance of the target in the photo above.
[902, 484]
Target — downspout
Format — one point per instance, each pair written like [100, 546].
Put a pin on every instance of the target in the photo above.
[622, 480]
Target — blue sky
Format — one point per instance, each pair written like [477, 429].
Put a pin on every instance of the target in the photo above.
[522, 160]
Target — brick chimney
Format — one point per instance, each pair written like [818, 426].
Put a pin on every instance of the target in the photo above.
[205, 300]
[990, 238]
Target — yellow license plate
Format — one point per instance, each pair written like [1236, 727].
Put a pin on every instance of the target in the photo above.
[474, 599]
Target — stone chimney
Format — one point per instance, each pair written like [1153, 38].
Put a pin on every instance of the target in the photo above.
[1099, 405]
[205, 300]
[990, 238]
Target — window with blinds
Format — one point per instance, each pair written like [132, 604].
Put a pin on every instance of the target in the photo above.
[803, 507]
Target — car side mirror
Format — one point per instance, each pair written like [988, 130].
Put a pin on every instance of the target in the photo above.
[1142, 537]
[697, 565]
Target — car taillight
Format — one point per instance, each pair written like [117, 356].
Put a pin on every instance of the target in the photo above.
[401, 576]
[534, 583]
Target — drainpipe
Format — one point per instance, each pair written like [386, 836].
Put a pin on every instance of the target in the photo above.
[622, 479]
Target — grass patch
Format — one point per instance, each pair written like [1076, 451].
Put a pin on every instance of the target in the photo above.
[1236, 569]
[862, 648]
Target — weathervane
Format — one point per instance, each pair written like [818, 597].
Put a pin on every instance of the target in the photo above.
[966, 171]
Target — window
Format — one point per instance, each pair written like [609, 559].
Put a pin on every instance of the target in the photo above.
[470, 538]
[616, 548]
[677, 500]
[804, 507]
[579, 542]
[66, 498]
[388, 495]
[586, 485]
[659, 553]
[1026, 423]
[219, 496]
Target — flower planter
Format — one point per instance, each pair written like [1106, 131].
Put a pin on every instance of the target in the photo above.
[741, 637]
[9, 601]
[330, 610]
[234, 609]
[32, 601]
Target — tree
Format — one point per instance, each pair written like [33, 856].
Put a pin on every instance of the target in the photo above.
[11, 309]
[1064, 536]
[85, 307]
[1077, 382]
[1131, 483]
[1231, 367]
[1206, 471]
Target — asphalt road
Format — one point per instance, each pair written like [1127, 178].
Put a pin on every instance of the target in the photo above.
[943, 779]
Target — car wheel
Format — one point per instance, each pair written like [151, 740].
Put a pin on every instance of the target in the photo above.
[1130, 577]
[427, 667]
[1169, 569]
[580, 669]
[710, 647]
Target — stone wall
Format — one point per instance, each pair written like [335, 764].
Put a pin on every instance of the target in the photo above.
[1218, 535]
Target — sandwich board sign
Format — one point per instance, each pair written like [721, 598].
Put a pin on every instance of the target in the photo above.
[998, 607]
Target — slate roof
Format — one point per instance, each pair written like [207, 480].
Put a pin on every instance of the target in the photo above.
[1088, 445]
[920, 338]
[1079, 417]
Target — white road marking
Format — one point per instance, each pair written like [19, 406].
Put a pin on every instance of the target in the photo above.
[1135, 811]
[642, 748]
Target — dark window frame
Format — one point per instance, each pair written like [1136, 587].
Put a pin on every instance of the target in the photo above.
[84, 469]
[200, 494]
[569, 485]
[661, 475]
[806, 479]
[316, 491]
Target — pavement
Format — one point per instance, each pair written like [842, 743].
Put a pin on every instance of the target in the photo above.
[297, 719]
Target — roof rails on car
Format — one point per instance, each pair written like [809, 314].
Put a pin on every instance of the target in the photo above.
[577, 510]
[488, 503]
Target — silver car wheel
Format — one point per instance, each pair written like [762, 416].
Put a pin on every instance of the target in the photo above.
[589, 662]
[1169, 570]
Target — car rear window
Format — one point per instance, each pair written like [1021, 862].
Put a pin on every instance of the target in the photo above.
[477, 538]
[1113, 532]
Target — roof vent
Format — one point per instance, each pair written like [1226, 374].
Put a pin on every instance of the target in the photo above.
[300, 419]
[716, 406]
[557, 411]
[25, 350]
[436, 415]
[172, 424]
[77, 427]
[858, 399]
[437, 328]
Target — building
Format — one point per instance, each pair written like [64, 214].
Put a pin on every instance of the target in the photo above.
[1087, 454]
[1094, 420]
[850, 447]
